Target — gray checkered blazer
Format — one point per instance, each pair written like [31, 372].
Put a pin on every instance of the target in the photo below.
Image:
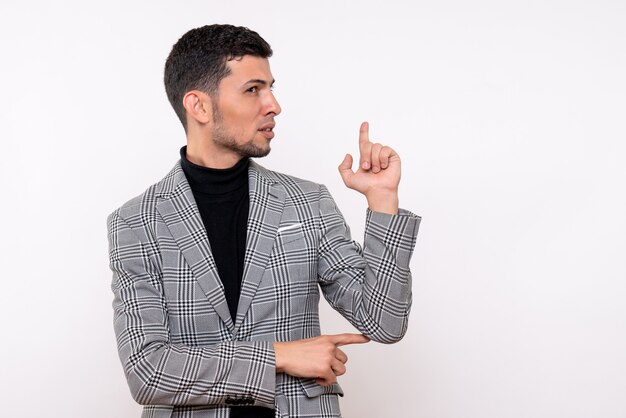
[184, 356]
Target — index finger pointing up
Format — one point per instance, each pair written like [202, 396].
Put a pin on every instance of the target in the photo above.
[365, 146]
[364, 133]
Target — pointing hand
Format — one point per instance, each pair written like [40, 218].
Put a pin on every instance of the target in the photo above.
[378, 174]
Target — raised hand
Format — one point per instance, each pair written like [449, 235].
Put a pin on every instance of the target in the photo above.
[377, 176]
[319, 358]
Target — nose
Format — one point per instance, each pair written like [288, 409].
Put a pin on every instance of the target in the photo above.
[272, 105]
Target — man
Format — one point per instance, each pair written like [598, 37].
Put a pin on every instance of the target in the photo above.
[217, 267]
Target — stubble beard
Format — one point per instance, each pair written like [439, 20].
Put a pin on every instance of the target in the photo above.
[228, 141]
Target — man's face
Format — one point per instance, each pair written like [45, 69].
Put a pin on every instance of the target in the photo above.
[245, 107]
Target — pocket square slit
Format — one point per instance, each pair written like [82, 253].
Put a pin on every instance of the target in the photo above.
[285, 228]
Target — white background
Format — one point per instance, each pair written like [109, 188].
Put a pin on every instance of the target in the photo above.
[509, 117]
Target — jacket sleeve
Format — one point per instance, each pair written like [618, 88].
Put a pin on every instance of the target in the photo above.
[370, 285]
[162, 373]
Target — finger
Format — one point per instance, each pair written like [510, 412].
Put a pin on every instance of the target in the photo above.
[375, 156]
[365, 160]
[385, 154]
[364, 146]
[364, 133]
[338, 367]
[345, 339]
[345, 169]
[327, 378]
[341, 356]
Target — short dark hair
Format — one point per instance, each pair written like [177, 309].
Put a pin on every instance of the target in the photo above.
[198, 60]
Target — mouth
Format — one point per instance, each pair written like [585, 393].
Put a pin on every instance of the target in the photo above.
[267, 130]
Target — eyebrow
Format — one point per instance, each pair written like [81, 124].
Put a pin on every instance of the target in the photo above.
[259, 81]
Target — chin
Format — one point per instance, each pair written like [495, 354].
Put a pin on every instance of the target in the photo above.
[254, 151]
[261, 153]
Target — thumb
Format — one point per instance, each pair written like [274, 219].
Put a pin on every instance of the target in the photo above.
[345, 169]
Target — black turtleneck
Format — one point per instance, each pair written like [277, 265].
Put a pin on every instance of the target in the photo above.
[222, 199]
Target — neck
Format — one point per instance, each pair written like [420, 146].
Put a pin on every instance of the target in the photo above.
[210, 157]
[202, 151]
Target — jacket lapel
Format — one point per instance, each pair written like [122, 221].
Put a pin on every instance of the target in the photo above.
[180, 213]
[267, 200]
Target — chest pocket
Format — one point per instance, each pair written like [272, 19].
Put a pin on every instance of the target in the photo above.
[289, 233]
[295, 252]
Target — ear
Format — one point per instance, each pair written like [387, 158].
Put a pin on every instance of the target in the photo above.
[198, 107]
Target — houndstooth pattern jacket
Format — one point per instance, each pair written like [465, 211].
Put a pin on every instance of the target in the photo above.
[184, 356]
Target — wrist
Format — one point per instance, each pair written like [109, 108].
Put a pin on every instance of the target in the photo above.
[385, 201]
[278, 357]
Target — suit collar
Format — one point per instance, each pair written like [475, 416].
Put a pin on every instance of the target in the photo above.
[175, 179]
[178, 208]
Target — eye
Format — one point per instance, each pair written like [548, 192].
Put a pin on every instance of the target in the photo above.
[252, 89]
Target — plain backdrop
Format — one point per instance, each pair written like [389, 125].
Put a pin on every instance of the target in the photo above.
[509, 117]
